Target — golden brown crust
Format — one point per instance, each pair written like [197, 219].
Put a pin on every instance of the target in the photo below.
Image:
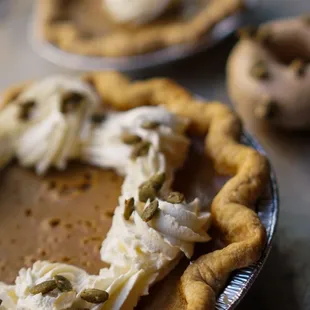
[238, 225]
[268, 74]
[127, 42]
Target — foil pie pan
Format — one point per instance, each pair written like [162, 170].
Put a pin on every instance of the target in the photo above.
[267, 208]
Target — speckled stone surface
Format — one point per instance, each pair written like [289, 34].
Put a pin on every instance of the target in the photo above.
[285, 280]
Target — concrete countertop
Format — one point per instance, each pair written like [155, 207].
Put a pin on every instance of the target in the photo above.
[285, 280]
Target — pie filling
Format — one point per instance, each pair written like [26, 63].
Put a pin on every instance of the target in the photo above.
[81, 259]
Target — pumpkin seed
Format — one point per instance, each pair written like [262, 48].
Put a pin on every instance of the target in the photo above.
[158, 180]
[150, 125]
[129, 138]
[150, 211]
[26, 109]
[97, 118]
[63, 284]
[94, 296]
[129, 208]
[43, 287]
[146, 192]
[175, 197]
[71, 101]
[140, 149]
[150, 188]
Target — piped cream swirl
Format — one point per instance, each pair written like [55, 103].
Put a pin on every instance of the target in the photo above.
[155, 246]
[7, 296]
[51, 133]
[105, 147]
[120, 283]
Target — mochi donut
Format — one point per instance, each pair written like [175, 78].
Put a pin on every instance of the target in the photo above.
[268, 75]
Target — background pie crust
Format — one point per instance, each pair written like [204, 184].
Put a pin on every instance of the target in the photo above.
[129, 40]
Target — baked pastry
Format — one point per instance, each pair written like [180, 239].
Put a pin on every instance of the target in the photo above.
[116, 28]
[153, 226]
[268, 75]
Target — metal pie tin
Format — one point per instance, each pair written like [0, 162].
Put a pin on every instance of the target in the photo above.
[267, 208]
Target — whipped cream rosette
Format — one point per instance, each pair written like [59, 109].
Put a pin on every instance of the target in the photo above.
[152, 227]
[110, 146]
[137, 11]
[155, 245]
[7, 296]
[54, 121]
[118, 283]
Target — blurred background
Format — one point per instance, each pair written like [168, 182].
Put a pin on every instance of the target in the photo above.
[285, 281]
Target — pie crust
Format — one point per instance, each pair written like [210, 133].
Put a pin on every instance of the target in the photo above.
[129, 40]
[233, 217]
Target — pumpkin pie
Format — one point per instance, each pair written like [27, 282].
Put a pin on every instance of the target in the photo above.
[105, 190]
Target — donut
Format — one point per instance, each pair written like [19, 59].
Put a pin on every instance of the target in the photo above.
[268, 75]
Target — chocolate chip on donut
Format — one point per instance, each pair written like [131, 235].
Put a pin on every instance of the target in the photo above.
[306, 19]
[247, 32]
[260, 71]
[26, 110]
[266, 109]
[263, 34]
[298, 66]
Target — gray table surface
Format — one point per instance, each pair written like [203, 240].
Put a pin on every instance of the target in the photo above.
[285, 280]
